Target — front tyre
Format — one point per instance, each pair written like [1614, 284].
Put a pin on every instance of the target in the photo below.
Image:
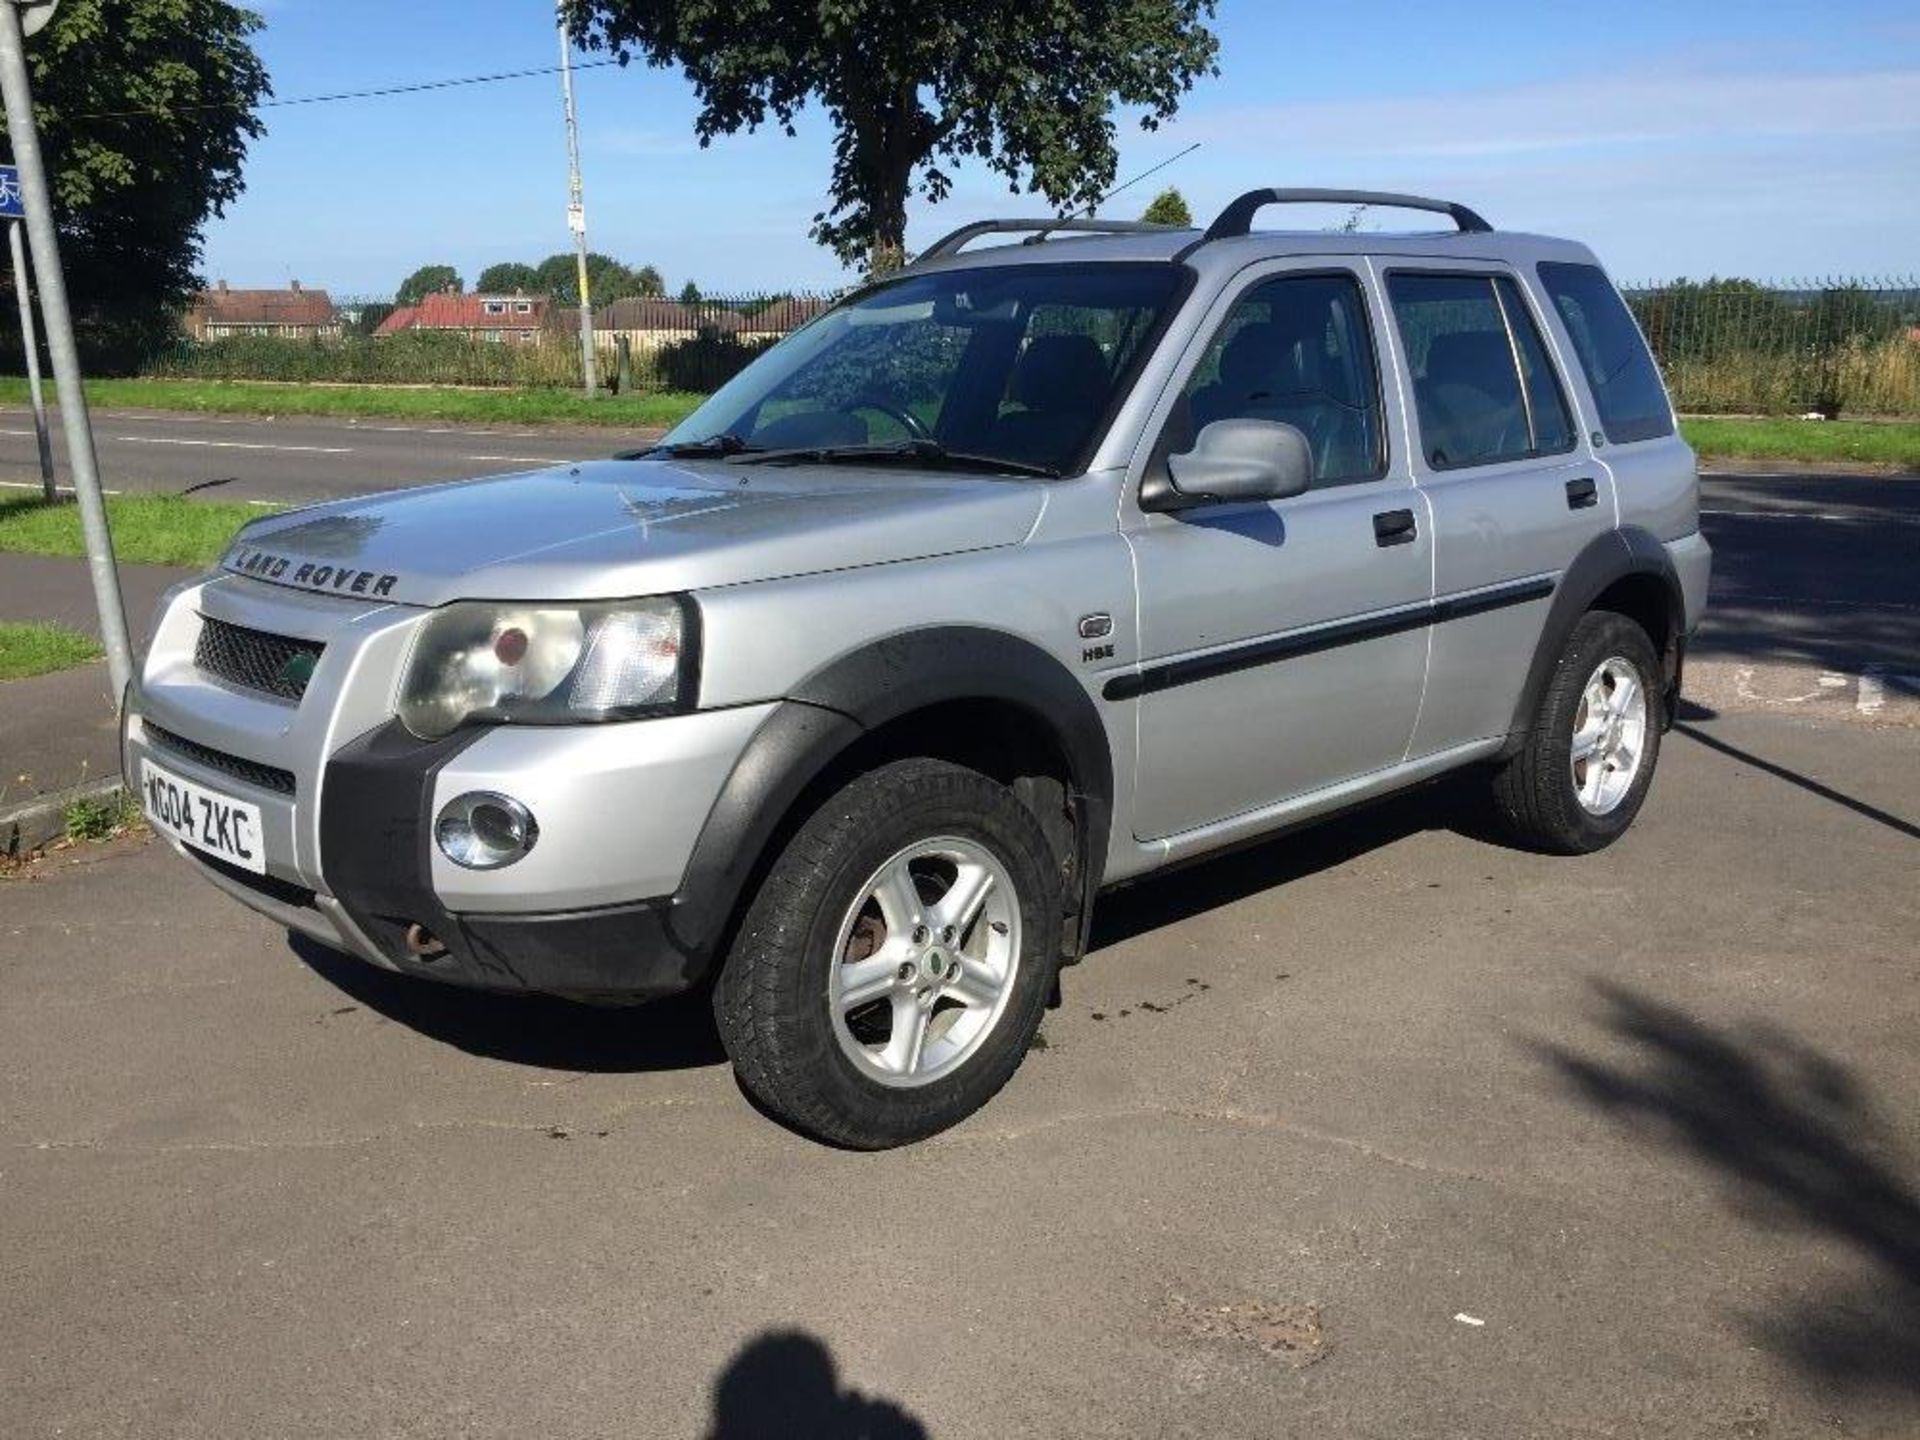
[891, 971]
[1588, 758]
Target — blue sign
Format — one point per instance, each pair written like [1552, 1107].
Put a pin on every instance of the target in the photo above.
[12, 207]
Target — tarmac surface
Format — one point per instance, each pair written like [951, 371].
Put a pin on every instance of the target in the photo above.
[1380, 1130]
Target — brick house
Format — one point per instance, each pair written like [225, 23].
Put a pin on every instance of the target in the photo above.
[295, 313]
[498, 319]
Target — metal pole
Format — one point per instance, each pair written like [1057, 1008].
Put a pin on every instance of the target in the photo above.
[577, 210]
[16, 87]
[15, 238]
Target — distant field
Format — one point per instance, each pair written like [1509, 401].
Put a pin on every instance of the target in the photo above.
[505, 407]
[147, 529]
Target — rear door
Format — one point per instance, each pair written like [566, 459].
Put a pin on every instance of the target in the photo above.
[1513, 489]
[1283, 644]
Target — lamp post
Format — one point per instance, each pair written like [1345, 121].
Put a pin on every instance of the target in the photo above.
[577, 209]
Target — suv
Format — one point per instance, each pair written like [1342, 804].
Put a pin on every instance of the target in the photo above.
[1023, 573]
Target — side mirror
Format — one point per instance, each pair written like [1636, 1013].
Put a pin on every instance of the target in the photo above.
[1233, 461]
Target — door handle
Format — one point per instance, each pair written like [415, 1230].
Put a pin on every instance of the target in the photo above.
[1394, 527]
[1582, 494]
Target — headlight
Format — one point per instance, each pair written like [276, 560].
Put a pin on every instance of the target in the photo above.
[543, 665]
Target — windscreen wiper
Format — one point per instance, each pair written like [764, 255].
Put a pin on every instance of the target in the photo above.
[714, 447]
[930, 453]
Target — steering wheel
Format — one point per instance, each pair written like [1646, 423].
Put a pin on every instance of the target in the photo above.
[907, 420]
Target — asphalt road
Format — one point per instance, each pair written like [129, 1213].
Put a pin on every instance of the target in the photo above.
[1381, 1130]
[296, 460]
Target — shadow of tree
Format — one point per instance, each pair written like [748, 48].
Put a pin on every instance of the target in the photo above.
[1797, 1141]
[783, 1385]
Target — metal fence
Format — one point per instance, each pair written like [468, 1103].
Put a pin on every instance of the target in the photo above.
[1835, 346]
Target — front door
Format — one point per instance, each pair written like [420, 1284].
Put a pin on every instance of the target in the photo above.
[1283, 645]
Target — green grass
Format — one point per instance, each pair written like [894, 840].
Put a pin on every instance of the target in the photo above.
[147, 529]
[37, 649]
[1894, 444]
[426, 402]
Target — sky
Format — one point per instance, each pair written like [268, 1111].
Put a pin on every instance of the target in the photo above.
[1773, 139]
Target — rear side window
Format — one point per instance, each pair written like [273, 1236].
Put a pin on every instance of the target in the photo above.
[1483, 387]
[1626, 387]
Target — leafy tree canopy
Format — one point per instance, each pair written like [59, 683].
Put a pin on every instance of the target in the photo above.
[510, 278]
[145, 110]
[690, 294]
[429, 280]
[1027, 87]
[607, 279]
[1169, 207]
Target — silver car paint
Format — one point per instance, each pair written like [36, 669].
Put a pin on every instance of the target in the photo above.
[793, 568]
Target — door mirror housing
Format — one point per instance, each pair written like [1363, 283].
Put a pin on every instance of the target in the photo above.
[1232, 462]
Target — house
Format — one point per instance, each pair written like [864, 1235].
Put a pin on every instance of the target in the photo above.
[783, 316]
[497, 319]
[652, 322]
[295, 313]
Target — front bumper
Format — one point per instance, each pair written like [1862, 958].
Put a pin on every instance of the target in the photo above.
[348, 799]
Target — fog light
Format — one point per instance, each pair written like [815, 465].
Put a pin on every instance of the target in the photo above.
[482, 830]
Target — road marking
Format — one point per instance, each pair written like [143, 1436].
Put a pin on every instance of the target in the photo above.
[1812, 515]
[69, 490]
[1466, 1319]
[1873, 691]
[518, 459]
[231, 444]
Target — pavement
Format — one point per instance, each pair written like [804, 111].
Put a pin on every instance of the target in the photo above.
[1379, 1130]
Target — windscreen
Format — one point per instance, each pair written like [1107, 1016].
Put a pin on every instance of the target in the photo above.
[1016, 363]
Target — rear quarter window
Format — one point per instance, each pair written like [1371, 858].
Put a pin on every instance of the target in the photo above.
[1626, 386]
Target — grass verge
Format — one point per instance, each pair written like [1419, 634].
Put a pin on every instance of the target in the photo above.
[1894, 444]
[147, 529]
[33, 648]
[427, 402]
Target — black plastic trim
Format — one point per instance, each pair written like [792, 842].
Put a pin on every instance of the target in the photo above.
[1603, 561]
[1237, 218]
[1255, 653]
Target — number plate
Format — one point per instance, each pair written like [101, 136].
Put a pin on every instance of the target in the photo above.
[202, 818]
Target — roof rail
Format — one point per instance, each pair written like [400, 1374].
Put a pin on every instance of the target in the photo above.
[1237, 218]
[952, 244]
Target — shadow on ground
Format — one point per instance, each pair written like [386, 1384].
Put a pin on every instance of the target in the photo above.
[1796, 1140]
[783, 1385]
[1457, 803]
[676, 1034]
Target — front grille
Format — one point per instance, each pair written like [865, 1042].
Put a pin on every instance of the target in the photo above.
[255, 660]
[267, 777]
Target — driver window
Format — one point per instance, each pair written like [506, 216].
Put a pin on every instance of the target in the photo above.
[1297, 349]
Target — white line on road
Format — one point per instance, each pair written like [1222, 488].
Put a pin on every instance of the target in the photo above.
[517, 459]
[69, 490]
[231, 444]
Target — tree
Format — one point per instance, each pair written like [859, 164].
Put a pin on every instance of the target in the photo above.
[510, 278]
[1026, 86]
[607, 279]
[429, 280]
[1169, 207]
[145, 110]
[690, 294]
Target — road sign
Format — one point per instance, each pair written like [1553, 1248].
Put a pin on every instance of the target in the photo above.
[34, 15]
[12, 206]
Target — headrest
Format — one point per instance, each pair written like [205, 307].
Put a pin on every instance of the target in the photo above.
[1061, 372]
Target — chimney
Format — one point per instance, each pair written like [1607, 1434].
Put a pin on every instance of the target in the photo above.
[222, 287]
[294, 286]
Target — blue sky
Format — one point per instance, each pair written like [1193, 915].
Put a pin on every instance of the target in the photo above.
[1777, 139]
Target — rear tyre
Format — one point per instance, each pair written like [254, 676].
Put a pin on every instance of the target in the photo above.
[1588, 759]
[894, 966]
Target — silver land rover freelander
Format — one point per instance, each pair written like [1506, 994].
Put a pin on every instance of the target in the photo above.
[1025, 572]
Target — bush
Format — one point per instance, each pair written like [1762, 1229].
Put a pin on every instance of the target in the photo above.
[707, 361]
